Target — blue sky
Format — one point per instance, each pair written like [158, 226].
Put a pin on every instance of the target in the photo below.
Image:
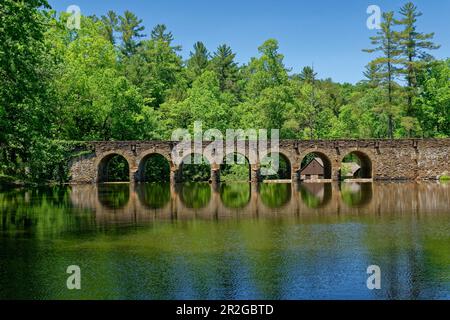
[327, 33]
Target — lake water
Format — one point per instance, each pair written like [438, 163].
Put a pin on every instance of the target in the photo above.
[234, 241]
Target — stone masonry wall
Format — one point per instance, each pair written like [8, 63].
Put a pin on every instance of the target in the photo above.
[406, 159]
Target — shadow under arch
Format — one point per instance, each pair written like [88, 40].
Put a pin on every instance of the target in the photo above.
[153, 167]
[194, 195]
[236, 168]
[355, 194]
[315, 165]
[113, 167]
[235, 195]
[153, 195]
[284, 168]
[356, 165]
[275, 195]
[194, 168]
[113, 195]
[316, 195]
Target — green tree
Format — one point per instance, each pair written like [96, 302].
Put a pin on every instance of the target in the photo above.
[198, 60]
[414, 46]
[25, 71]
[98, 102]
[359, 118]
[205, 102]
[110, 26]
[433, 101]
[131, 29]
[160, 33]
[386, 42]
[372, 73]
[307, 74]
[274, 104]
[313, 111]
[227, 70]
[266, 71]
[155, 69]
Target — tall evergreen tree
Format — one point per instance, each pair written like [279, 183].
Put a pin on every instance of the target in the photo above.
[160, 33]
[111, 25]
[225, 67]
[372, 74]
[386, 42]
[414, 46]
[131, 28]
[198, 60]
[307, 75]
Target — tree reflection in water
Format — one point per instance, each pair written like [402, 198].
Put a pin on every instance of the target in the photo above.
[275, 195]
[235, 195]
[154, 195]
[114, 195]
[356, 194]
[194, 195]
[315, 195]
[246, 253]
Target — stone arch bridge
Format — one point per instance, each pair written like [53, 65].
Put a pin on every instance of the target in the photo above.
[405, 159]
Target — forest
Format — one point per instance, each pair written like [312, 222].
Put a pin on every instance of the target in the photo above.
[114, 80]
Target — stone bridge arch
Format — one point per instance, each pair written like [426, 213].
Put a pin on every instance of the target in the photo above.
[101, 164]
[143, 157]
[283, 152]
[328, 157]
[247, 162]
[367, 158]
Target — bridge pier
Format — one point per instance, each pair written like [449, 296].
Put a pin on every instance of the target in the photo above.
[174, 175]
[255, 173]
[295, 174]
[215, 174]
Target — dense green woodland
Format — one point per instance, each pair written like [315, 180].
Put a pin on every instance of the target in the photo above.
[114, 80]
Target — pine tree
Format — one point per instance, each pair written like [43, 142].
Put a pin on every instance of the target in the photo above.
[111, 25]
[312, 98]
[160, 33]
[198, 60]
[307, 74]
[386, 42]
[131, 28]
[225, 67]
[414, 46]
[372, 74]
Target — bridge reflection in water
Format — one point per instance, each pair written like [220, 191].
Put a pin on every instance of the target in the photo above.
[138, 203]
[230, 241]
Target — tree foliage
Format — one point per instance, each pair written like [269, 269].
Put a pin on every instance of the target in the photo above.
[108, 81]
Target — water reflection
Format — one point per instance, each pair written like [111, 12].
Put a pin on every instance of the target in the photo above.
[194, 195]
[237, 241]
[235, 195]
[266, 199]
[275, 195]
[154, 195]
[356, 194]
[316, 195]
[114, 195]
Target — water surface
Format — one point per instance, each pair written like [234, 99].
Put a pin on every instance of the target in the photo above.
[232, 241]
